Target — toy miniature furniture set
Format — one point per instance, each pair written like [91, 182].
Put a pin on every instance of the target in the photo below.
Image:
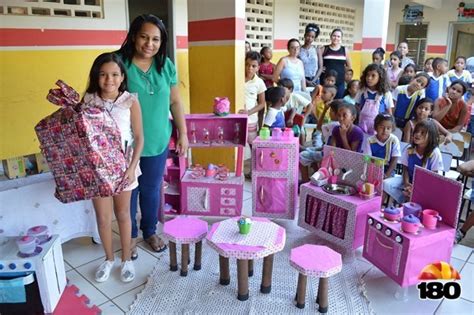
[335, 211]
[275, 176]
[402, 244]
[317, 261]
[211, 191]
[185, 231]
[263, 240]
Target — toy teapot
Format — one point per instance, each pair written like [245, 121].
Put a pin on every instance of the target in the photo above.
[411, 224]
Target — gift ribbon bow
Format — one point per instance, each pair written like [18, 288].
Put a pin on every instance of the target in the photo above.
[64, 95]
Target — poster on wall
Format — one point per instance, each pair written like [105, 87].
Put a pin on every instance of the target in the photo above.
[465, 11]
[412, 13]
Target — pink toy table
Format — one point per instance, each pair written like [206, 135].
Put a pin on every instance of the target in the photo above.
[266, 238]
[336, 218]
[402, 256]
[317, 261]
[185, 231]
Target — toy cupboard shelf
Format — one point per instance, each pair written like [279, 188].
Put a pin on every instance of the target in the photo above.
[210, 196]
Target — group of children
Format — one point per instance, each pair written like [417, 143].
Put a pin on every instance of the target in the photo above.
[388, 96]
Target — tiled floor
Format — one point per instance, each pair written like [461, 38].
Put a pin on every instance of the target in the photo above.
[114, 297]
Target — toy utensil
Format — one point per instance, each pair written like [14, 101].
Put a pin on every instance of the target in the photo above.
[363, 177]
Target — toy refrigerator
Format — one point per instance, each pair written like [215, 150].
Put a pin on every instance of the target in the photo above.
[402, 256]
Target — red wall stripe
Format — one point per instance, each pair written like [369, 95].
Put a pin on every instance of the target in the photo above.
[55, 37]
[280, 44]
[436, 49]
[182, 42]
[357, 46]
[390, 47]
[371, 42]
[219, 29]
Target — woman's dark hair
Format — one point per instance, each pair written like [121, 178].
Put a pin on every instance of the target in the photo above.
[127, 51]
[285, 82]
[291, 41]
[311, 27]
[461, 83]
[383, 117]
[433, 137]
[379, 51]
[274, 94]
[337, 30]
[349, 85]
[397, 54]
[93, 86]
[382, 86]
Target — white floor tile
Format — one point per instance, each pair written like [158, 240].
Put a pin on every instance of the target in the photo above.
[86, 288]
[114, 286]
[247, 207]
[471, 259]
[248, 186]
[67, 266]
[467, 282]
[247, 195]
[458, 307]
[461, 252]
[109, 308]
[125, 300]
[381, 293]
[81, 250]
[457, 264]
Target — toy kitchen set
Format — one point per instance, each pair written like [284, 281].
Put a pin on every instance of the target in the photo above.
[32, 275]
[210, 190]
[335, 204]
[401, 242]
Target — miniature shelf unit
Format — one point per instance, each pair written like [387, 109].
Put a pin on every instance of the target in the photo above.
[208, 196]
[275, 177]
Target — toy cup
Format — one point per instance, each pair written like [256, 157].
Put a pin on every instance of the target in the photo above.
[244, 225]
[431, 218]
[26, 244]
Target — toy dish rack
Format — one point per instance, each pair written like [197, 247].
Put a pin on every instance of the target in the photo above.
[401, 255]
[212, 196]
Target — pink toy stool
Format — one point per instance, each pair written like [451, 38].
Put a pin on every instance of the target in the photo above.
[317, 261]
[185, 231]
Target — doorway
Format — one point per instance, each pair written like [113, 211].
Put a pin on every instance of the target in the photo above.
[461, 41]
[162, 9]
[415, 35]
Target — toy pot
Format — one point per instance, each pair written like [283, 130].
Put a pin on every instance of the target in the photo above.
[431, 218]
[26, 244]
[40, 232]
[411, 208]
[411, 224]
[391, 213]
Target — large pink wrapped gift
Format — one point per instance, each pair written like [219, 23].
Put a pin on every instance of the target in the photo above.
[82, 146]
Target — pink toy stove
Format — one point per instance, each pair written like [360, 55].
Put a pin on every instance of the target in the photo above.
[275, 177]
[401, 255]
[340, 219]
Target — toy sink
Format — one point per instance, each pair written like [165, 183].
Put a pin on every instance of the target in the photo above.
[339, 189]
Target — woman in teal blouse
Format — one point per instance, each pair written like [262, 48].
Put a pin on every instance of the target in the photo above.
[152, 75]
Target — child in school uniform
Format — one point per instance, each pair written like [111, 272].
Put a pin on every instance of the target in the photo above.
[438, 80]
[276, 97]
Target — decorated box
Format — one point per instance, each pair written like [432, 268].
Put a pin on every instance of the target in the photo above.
[82, 147]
